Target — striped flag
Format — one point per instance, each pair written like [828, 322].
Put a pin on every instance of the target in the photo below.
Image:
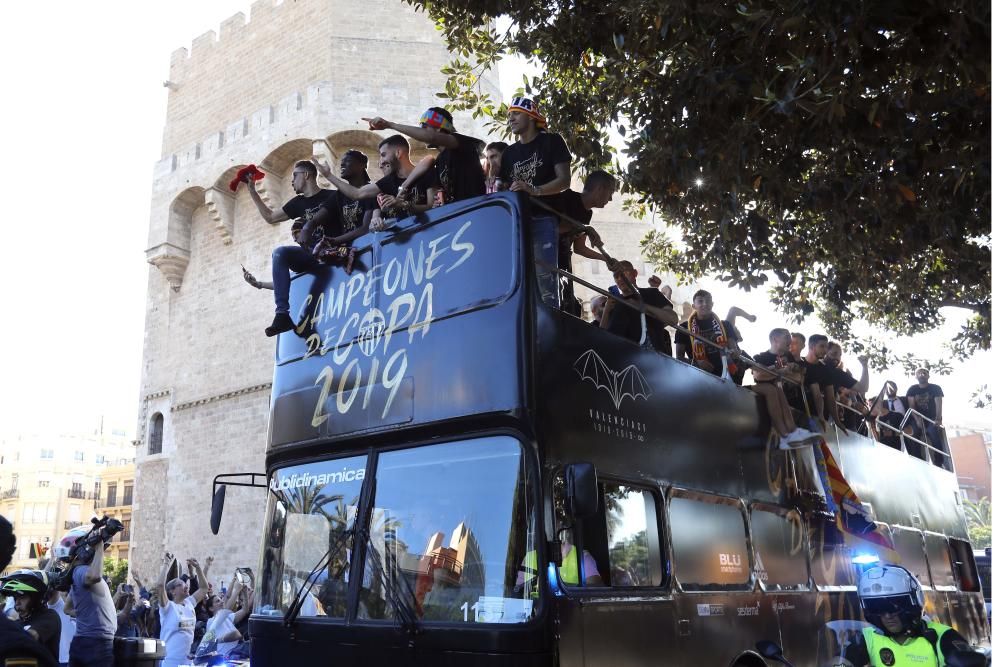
[852, 517]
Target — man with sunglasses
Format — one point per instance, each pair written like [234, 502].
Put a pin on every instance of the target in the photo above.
[893, 602]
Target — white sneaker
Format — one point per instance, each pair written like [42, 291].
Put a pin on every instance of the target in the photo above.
[787, 442]
[802, 435]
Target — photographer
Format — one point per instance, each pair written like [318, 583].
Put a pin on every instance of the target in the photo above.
[177, 617]
[17, 646]
[83, 550]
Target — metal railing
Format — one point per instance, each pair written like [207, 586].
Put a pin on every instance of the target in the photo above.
[76, 493]
[9, 493]
[724, 352]
[70, 525]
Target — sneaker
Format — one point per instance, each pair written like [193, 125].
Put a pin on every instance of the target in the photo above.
[802, 435]
[787, 443]
[281, 323]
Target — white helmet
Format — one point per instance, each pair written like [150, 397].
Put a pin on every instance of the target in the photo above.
[63, 549]
[890, 589]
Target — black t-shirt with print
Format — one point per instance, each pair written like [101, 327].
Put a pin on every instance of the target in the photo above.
[352, 211]
[416, 195]
[299, 205]
[923, 399]
[706, 330]
[459, 172]
[572, 206]
[627, 323]
[535, 163]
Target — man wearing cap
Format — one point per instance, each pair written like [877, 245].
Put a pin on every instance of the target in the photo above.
[538, 162]
[457, 167]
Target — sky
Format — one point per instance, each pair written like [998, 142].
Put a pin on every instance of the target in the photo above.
[83, 111]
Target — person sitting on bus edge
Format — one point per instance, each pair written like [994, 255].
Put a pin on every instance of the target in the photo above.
[768, 385]
[264, 284]
[494, 156]
[892, 601]
[456, 168]
[598, 189]
[394, 158]
[627, 322]
[707, 324]
[927, 399]
[321, 216]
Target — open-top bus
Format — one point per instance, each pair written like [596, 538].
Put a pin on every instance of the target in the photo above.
[459, 473]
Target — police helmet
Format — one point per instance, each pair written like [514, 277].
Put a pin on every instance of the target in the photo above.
[34, 583]
[891, 589]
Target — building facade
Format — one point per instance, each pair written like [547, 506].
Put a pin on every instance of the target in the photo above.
[50, 484]
[290, 83]
[973, 454]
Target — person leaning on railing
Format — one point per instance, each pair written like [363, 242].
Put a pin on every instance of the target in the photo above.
[627, 322]
[704, 322]
[780, 365]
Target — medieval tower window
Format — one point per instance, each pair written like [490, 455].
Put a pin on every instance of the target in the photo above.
[156, 434]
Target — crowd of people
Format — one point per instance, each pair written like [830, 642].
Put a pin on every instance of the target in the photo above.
[77, 627]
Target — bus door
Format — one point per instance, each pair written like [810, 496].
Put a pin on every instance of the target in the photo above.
[616, 607]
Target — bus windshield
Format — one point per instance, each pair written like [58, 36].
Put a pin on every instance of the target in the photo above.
[450, 528]
[448, 534]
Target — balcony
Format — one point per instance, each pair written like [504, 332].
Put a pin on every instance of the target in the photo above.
[9, 493]
[76, 493]
[122, 536]
[70, 525]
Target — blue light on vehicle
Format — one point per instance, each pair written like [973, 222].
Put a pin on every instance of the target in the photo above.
[554, 580]
[865, 559]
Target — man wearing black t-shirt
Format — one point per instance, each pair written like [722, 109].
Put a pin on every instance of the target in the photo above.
[626, 322]
[394, 158]
[538, 162]
[817, 379]
[321, 216]
[771, 386]
[928, 400]
[598, 188]
[707, 324]
[355, 213]
[457, 169]
[840, 380]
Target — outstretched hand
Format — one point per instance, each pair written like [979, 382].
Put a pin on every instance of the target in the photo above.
[249, 277]
[323, 168]
[377, 123]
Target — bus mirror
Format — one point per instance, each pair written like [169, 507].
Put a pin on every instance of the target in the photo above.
[581, 489]
[218, 502]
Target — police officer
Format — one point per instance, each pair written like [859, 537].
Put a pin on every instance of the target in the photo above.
[29, 589]
[893, 602]
[17, 647]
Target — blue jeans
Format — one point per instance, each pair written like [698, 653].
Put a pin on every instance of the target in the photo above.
[91, 652]
[545, 238]
[284, 259]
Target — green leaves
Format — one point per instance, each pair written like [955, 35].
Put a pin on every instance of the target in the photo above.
[843, 148]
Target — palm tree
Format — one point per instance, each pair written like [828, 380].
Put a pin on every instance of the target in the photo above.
[310, 500]
[978, 514]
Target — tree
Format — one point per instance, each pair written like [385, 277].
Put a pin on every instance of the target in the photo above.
[979, 516]
[835, 150]
[115, 569]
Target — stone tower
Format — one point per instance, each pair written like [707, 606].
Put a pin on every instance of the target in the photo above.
[290, 83]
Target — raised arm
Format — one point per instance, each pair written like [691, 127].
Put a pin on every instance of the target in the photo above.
[366, 191]
[235, 587]
[271, 216]
[161, 582]
[95, 570]
[202, 591]
[245, 608]
[861, 386]
[439, 139]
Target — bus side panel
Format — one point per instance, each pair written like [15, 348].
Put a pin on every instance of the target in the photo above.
[629, 632]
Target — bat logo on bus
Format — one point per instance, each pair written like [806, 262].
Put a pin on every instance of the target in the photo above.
[627, 383]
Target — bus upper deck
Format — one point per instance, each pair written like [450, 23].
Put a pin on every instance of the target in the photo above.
[424, 416]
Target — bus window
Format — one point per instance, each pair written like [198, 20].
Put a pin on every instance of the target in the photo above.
[451, 531]
[709, 539]
[829, 557]
[964, 561]
[633, 538]
[909, 545]
[939, 557]
[779, 543]
[312, 508]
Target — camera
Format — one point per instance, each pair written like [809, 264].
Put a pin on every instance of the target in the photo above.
[82, 553]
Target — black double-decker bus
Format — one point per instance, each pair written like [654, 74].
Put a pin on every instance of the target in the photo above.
[459, 473]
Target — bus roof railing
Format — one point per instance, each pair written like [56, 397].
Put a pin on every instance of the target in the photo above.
[723, 351]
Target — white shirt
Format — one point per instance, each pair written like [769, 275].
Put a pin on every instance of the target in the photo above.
[68, 629]
[218, 627]
[177, 623]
